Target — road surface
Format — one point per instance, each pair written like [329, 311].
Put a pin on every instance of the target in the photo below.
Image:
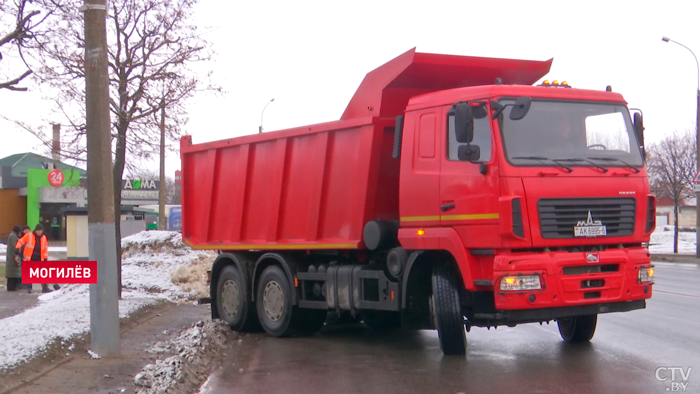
[624, 356]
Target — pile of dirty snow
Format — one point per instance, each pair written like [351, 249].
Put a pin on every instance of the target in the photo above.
[154, 256]
[192, 278]
[662, 241]
[148, 264]
[192, 354]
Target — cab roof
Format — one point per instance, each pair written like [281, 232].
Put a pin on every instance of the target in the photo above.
[452, 96]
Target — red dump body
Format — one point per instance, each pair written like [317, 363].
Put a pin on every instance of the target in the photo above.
[306, 188]
[315, 187]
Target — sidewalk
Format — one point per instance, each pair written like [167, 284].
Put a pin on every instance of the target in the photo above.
[77, 372]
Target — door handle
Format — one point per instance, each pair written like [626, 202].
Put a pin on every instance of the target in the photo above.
[447, 207]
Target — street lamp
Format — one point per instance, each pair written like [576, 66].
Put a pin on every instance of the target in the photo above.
[261, 116]
[697, 142]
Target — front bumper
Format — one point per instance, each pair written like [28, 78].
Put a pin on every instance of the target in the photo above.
[538, 315]
[567, 280]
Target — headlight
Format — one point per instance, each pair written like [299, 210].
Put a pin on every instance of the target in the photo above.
[646, 274]
[521, 282]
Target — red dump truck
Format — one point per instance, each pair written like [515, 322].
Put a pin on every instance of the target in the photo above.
[451, 193]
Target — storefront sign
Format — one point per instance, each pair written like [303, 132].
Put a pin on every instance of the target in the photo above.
[56, 177]
[77, 195]
[140, 184]
[140, 194]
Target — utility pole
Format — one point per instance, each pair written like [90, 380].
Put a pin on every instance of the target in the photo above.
[104, 304]
[697, 145]
[697, 158]
[162, 225]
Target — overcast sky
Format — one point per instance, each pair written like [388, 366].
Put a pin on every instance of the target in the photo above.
[311, 56]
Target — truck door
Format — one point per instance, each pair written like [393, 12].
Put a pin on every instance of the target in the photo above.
[469, 190]
[420, 169]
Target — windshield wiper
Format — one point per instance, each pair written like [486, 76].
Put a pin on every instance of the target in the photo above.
[598, 166]
[542, 158]
[635, 169]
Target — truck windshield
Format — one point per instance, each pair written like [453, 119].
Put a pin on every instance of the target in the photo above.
[577, 132]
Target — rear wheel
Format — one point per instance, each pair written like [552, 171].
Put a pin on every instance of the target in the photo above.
[231, 301]
[577, 328]
[278, 317]
[447, 312]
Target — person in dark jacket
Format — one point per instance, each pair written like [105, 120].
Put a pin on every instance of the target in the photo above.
[13, 268]
[35, 247]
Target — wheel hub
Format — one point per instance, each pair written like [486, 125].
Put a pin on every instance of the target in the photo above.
[273, 300]
[230, 298]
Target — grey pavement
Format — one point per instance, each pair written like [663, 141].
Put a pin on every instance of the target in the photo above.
[623, 357]
[14, 302]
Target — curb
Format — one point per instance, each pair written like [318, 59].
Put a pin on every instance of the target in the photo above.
[676, 258]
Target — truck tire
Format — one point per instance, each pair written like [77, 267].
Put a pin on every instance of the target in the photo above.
[277, 316]
[447, 312]
[379, 320]
[231, 303]
[577, 328]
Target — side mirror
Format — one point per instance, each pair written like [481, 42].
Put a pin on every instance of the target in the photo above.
[639, 130]
[464, 123]
[520, 108]
[470, 153]
[639, 127]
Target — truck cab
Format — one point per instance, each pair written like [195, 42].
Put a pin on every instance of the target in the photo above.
[545, 189]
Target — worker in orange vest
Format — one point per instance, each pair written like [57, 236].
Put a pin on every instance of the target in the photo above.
[33, 253]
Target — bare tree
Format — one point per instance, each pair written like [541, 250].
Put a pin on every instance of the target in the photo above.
[672, 164]
[152, 44]
[20, 22]
[173, 191]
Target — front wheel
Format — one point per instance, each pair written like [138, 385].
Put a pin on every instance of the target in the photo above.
[447, 312]
[577, 328]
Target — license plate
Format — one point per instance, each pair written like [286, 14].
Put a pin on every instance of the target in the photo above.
[590, 231]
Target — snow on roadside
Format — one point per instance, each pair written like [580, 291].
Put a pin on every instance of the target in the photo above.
[662, 241]
[191, 357]
[147, 265]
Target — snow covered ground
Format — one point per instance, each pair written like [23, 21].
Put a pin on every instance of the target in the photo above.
[149, 260]
[662, 241]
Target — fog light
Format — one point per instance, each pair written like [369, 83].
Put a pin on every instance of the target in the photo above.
[521, 282]
[646, 274]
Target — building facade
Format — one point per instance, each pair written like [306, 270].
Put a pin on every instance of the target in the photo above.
[37, 189]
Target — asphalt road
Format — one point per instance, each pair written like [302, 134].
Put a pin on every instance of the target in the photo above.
[623, 357]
